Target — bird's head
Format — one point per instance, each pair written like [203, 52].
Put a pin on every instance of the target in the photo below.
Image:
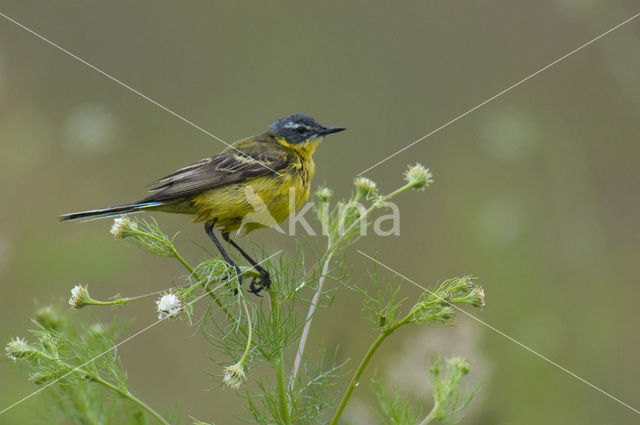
[300, 128]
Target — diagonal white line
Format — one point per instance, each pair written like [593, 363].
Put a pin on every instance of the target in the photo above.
[109, 76]
[531, 350]
[121, 342]
[500, 94]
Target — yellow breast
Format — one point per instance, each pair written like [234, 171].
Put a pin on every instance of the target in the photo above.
[262, 201]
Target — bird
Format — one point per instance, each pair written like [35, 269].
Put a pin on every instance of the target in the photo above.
[254, 183]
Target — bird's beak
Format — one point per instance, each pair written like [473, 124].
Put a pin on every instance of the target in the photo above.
[329, 130]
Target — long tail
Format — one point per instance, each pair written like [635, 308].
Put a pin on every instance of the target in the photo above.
[109, 212]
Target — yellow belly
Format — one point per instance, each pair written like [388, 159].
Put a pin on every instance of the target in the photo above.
[259, 202]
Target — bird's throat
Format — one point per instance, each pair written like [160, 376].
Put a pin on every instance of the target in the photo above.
[304, 149]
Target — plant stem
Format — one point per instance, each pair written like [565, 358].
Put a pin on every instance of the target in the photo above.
[282, 391]
[326, 260]
[356, 376]
[312, 308]
[278, 364]
[120, 391]
[125, 300]
[249, 340]
[363, 364]
[429, 417]
[182, 261]
[126, 394]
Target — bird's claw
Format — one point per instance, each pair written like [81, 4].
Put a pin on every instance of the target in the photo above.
[263, 283]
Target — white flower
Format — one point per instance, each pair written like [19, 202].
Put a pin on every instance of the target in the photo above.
[17, 348]
[324, 193]
[418, 177]
[117, 228]
[169, 305]
[365, 186]
[121, 227]
[234, 376]
[79, 297]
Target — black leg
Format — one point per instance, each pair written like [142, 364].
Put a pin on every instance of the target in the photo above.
[208, 227]
[265, 279]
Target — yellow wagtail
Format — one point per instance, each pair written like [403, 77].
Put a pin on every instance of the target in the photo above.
[215, 189]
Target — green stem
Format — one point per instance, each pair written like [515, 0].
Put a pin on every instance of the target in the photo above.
[363, 364]
[121, 301]
[120, 391]
[249, 340]
[278, 364]
[429, 417]
[127, 394]
[182, 261]
[282, 391]
[356, 377]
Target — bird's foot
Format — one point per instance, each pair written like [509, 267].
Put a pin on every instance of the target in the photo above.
[263, 283]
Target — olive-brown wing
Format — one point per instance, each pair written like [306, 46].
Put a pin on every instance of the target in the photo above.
[229, 167]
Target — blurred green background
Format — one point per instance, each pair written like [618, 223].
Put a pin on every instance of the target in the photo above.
[536, 193]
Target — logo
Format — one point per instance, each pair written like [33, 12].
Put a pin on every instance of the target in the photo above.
[387, 224]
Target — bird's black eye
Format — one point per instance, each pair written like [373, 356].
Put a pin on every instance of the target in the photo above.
[301, 129]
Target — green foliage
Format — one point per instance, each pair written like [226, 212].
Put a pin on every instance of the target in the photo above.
[382, 305]
[449, 397]
[394, 408]
[81, 365]
[145, 234]
[436, 306]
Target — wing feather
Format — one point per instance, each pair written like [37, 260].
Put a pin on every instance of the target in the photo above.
[226, 168]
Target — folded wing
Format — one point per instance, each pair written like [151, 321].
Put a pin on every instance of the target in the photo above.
[228, 167]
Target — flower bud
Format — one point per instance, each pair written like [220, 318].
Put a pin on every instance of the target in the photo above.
[459, 364]
[418, 177]
[48, 318]
[18, 348]
[324, 193]
[445, 314]
[435, 368]
[365, 186]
